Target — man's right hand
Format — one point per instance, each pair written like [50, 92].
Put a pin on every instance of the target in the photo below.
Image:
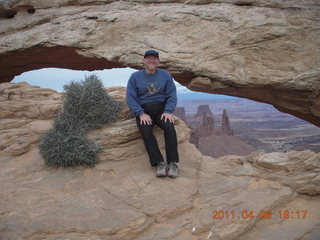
[145, 119]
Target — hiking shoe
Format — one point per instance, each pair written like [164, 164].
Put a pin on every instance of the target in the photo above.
[172, 170]
[161, 170]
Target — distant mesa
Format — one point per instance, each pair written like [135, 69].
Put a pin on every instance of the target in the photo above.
[210, 138]
[206, 128]
[180, 112]
[225, 125]
[204, 109]
[242, 126]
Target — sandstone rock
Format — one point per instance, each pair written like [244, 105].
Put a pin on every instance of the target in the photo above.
[16, 141]
[202, 124]
[299, 170]
[225, 124]
[122, 140]
[120, 198]
[216, 142]
[116, 200]
[224, 187]
[180, 112]
[204, 110]
[261, 50]
[21, 107]
[119, 93]
[9, 8]
[303, 214]
[25, 114]
[23, 101]
[222, 145]
[206, 128]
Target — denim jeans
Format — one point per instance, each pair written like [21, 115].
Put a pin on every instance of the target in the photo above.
[155, 110]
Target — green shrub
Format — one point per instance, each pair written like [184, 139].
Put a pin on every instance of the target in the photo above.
[68, 149]
[86, 106]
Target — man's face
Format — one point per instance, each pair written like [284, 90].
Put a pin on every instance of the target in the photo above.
[151, 62]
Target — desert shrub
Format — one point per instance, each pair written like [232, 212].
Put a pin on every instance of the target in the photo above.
[66, 149]
[86, 106]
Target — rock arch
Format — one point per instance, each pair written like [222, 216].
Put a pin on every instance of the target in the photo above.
[268, 52]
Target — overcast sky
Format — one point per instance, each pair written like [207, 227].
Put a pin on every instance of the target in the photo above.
[55, 78]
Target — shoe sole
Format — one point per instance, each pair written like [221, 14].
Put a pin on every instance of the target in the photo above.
[161, 175]
[172, 176]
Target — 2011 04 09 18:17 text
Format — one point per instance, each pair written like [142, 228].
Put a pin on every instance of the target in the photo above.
[262, 214]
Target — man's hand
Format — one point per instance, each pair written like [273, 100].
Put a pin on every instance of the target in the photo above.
[167, 116]
[145, 119]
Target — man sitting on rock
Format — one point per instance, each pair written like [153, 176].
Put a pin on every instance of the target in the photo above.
[151, 95]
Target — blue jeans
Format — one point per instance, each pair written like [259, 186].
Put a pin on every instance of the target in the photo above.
[155, 110]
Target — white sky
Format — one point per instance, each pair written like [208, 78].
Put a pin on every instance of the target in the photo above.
[56, 78]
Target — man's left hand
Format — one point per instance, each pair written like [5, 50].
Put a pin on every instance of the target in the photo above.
[167, 116]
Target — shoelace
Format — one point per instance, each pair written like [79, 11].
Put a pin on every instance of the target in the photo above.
[161, 165]
[173, 166]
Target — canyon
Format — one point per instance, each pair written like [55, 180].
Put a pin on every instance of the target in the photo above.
[241, 126]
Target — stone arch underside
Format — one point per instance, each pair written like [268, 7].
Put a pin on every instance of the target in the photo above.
[269, 54]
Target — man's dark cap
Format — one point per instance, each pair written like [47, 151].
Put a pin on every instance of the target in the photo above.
[151, 52]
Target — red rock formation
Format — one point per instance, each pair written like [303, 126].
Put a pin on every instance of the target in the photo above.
[194, 139]
[225, 125]
[7, 12]
[204, 109]
[196, 120]
[216, 142]
[38, 57]
[180, 112]
[205, 129]
[218, 146]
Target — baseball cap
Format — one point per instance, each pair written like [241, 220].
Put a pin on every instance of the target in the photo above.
[151, 52]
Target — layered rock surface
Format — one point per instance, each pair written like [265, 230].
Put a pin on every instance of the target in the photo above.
[267, 51]
[25, 113]
[120, 198]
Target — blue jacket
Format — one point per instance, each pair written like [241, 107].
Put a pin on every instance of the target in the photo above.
[143, 87]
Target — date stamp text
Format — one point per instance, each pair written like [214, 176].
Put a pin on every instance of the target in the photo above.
[262, 214]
